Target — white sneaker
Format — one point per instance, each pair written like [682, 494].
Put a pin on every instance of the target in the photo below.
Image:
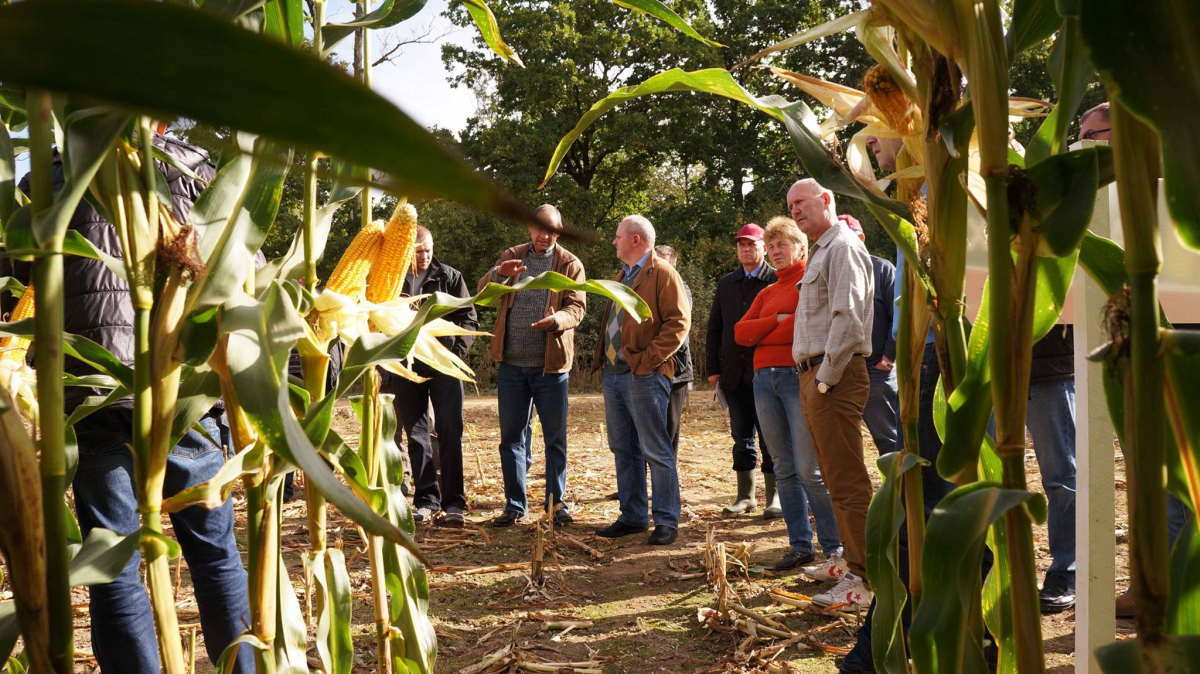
[833, 568]
[851, 591]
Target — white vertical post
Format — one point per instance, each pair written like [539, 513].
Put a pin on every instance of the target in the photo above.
[1095, 497]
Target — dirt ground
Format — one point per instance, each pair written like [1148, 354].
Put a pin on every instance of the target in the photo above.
[642, 601]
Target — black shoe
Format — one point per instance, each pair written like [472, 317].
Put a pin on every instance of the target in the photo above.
[1057, 595]
[615, 496]
[452, 517]
[562, 518]
[793, 559]
[509, 518]
[618, 529]
[852, 665]
[662, 535]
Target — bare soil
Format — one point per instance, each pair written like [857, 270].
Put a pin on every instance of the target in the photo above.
[643, 620]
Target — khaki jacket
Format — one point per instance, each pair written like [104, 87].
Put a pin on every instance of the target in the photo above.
[649, 346]
[568, 308]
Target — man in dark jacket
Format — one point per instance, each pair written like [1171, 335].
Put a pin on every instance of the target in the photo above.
[681, 383]
[96, 305]
[434, 491]
[731, 367]
[882, 413]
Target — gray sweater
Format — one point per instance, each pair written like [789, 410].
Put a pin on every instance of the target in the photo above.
[524, 346]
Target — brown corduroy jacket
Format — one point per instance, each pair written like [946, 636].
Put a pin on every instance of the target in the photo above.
[649, 345]
[568, 308]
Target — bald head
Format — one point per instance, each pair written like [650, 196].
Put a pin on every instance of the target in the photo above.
[545, 233]
[812, 207]
[423, 251]
[635, 238]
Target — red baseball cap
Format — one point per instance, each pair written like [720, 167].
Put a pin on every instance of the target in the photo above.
[751, 231]
[852, 223]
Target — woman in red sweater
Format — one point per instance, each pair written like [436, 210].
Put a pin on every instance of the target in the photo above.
[768, 326]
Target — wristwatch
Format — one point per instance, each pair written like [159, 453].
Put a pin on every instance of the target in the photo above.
[823, 388]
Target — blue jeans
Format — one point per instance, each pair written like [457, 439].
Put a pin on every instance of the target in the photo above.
[635, 413]
[882, 413]
[797, 474]
[123, 636]
[1050, 419]
[519, 389]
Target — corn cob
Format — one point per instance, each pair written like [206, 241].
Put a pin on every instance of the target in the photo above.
[889, 99]
[386, 279]
[350, 276]
[17, 346]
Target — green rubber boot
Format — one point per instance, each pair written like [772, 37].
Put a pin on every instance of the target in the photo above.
[744, 503]
[772, 511]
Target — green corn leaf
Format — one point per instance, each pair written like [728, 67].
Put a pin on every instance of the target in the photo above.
[1066, 187]
[884, 519]
[8, 176]
[93, 404]
[799, 121]
[290, 630]
[1158, 82]
[349, 465]
[260, 337]
[257, 85]
[954, 543]
[1070, 69]
[102, 557]
[1182, 373]
[284, 21]
[838, 25]
[482, 15]
[90, 133]
[10, 630]
[668, 16]
[332, 582]
[75, 243]
[386, 15]
[1183, 610]
[229, 655]
[1032, 22]
[199, 390]
[1177, 654]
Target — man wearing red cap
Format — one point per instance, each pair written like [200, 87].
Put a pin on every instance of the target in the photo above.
[882, 413]
[731, 367]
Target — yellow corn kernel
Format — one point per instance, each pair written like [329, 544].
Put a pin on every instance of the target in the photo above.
[350, 276]
[891, 102]
[386, 280]
[19, 345]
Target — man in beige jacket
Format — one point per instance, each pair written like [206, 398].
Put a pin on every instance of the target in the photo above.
[534, 342]
[637, 361]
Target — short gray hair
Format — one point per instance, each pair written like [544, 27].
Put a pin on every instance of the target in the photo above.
[638, 224]
[667, 253]
[1102, 110]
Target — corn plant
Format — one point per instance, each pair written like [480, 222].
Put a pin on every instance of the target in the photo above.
[1037, 203]
[207, 325]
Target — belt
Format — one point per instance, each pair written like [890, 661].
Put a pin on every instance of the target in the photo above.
[809, 363]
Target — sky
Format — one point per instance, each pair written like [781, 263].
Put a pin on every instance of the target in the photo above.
[416, 81]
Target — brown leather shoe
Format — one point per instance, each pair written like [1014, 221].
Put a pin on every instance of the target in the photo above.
[1125, 606]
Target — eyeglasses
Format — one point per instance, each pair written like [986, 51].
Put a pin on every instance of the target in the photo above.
[1091, 134]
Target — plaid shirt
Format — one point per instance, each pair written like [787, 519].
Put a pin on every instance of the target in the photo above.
[837, 303]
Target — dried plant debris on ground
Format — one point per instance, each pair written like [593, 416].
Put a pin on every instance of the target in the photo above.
[533, 598]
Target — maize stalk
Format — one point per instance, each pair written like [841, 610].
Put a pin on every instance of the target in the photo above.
[386, 278]
[349, 277]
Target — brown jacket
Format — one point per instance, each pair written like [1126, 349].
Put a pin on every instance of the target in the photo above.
[649, 345]
[568, 306]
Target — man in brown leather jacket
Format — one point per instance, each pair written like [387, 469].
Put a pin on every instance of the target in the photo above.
[534, 342]
[637, 362]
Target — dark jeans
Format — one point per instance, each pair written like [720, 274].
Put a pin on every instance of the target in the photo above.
[743, 422]
[434, 489]
[675, 405]
[123, 636]
[519, 390]
[882, 413]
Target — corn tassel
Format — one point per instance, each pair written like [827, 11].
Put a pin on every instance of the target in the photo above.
[349, 278]
[386, 279]
[17, 346]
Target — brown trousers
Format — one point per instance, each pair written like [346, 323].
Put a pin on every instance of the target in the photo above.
[833, 420]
